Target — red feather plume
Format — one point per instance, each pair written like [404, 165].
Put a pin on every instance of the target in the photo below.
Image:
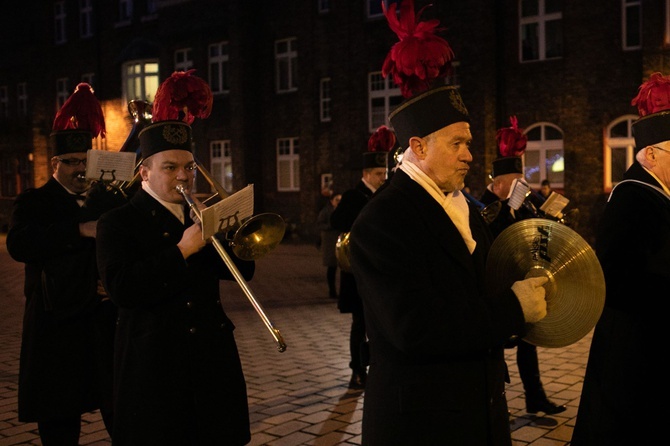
[382, 140]
[420, 56]
[81, 111]
[653, 96]
[511, 140]
[182, 97]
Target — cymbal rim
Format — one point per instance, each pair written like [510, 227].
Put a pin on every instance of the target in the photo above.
[575, 292]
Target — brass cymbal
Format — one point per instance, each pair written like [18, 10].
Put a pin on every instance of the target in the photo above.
[258, 235]
[575, 292]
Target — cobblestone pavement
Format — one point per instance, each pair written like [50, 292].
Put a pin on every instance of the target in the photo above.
[300, 396]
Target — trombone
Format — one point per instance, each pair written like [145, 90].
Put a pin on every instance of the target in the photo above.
[257, 236]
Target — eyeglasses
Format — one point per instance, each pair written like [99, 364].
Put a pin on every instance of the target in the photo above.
[660, 148]
[72, 161]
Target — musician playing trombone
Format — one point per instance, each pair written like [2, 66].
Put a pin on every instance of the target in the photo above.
[178, 376]
[507, 172]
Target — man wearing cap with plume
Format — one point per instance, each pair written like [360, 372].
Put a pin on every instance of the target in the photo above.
[624, 392]
[68, 325]
[375, 162]
[178, 375]
[506, 173]
[418, 250]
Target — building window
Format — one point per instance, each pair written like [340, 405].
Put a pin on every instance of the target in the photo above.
[152, 6]
[631, 24]
[384, 97]
[22, 99]
[89, 78]
[218, 67]
[324, 99]
[288, 165]
[286, 65]
[222, 164]
[62, 91]
[182, 59]
[541, 30]
[619, 149]
[374, 7]
[323, 6]
[59, 23]
[4, 102]
[140, 80]
[85, 18]
[125, 11]
[543, 158]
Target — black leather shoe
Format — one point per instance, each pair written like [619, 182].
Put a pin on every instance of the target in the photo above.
[545, 406]
[357, 381]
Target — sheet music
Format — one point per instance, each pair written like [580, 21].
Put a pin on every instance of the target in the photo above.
[110, 166]
[554, 204]
[228, 213]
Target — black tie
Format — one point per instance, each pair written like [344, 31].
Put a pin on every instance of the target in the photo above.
[80, 197]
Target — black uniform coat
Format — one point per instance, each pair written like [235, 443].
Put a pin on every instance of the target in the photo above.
[178, 375]
[342, 219]
[624, 380]
[64, 321]
[437, 369]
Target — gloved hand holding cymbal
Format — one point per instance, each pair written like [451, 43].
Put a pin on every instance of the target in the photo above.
[531, 295]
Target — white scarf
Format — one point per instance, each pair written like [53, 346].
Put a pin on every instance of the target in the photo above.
[453, 203]
[177, 209]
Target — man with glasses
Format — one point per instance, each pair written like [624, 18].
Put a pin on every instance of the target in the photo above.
[68, 325]
[624, 379]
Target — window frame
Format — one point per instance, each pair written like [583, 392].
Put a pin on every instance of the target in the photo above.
[62, 91]
[221, 162]
[388, 93]
[219, 81]
[627, 8]
[186, 62]
[22, 99]
[4, 101]
[325, 100]
[86, 19]
[148, 83]
[286, 65]
[611, 143]
[541, 19]
[60, 22]
[542, 147]
[288, 164]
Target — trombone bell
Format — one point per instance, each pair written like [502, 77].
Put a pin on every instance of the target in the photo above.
[258, 236]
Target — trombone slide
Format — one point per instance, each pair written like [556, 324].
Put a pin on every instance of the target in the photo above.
[281, 345]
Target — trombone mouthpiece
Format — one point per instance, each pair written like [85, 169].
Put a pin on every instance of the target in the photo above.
[180, 188]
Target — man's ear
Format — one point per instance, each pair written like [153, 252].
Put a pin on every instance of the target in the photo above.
[418, 146]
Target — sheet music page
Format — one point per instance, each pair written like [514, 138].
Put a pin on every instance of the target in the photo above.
[110, 166]
[228, 213]
[554, 204]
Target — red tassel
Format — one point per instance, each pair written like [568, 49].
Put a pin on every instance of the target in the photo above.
[382, 140]
[654, 95]
[182, 97]
[81, 111]
[420, 56]
[511, 140]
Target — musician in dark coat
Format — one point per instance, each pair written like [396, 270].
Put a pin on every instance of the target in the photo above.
[68, 323]
[513, 206]
[624, 382]
[178, 375]
[352, 202]
[436, 327]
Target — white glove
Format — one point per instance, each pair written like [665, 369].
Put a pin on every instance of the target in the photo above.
[530, 293]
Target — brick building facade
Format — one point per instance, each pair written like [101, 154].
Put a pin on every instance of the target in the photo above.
[581, 93]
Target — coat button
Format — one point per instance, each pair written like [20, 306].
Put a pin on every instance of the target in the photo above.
[191, 330]
[189, 304]
[166, 234]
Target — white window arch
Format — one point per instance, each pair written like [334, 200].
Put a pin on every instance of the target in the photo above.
[619, 149]
[543, 158]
